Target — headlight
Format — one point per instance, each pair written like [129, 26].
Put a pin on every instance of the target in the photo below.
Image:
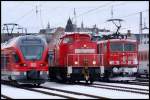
[24, 64]
[42, 64]
[84, 45]
[111, 62]
[94, 62]
[115, 70]
[75, 62]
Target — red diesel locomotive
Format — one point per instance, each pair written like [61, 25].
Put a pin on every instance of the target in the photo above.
[119, 60]
[24, 60]
[74, 58]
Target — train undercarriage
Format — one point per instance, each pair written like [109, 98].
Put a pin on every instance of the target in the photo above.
[74, 74]
[29, 77]
[120, 74]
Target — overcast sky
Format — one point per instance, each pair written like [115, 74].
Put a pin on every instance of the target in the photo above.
[58, 12]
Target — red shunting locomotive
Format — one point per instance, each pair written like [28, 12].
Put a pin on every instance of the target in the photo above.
[74, 58]
[24, 60]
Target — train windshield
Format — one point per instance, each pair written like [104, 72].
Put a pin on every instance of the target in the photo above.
[116, 46]
[32, 52]
[68, 40]
[129, 47]
[122, 47]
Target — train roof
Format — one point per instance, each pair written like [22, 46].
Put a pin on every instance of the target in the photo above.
[112, 40]
[74, 33]
[15, 40]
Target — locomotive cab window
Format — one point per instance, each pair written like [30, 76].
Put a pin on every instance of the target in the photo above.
[116, 47]
[129, 47]
[67, 40]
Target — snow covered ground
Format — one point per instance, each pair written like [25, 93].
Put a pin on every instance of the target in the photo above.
[25, 94]
[97, 91]
[125, 85]
[17, 93]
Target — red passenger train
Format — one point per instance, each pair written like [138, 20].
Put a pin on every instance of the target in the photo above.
[119, 58]
[74, 58]
[24, 60]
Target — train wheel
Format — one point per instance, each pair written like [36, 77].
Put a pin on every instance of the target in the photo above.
[91, 81]
[34, 84]
[38, 84]
[86, 81]
[71, 80]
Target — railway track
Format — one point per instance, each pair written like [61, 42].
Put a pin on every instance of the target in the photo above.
[130, 83]
[138, 89]
[75, 93]
[123, 89]
[138, 83]
[5, 97]
[143, 79]
[60, 93]
[41, 91]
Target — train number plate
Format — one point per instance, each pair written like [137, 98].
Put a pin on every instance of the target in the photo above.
[84, 50]
[33, 64]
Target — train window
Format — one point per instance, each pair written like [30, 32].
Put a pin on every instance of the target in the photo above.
[116, 46]
[36, 41]
[32, 52]
[67, 40]
[16, 58]
[129, 47]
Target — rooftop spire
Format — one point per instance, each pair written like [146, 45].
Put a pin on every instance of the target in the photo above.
[48, 25]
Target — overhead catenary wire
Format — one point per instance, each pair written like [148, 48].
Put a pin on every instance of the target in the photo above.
[23, 16]
[134, 13]
[129, 15]
[101, 6]
[82, 14]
